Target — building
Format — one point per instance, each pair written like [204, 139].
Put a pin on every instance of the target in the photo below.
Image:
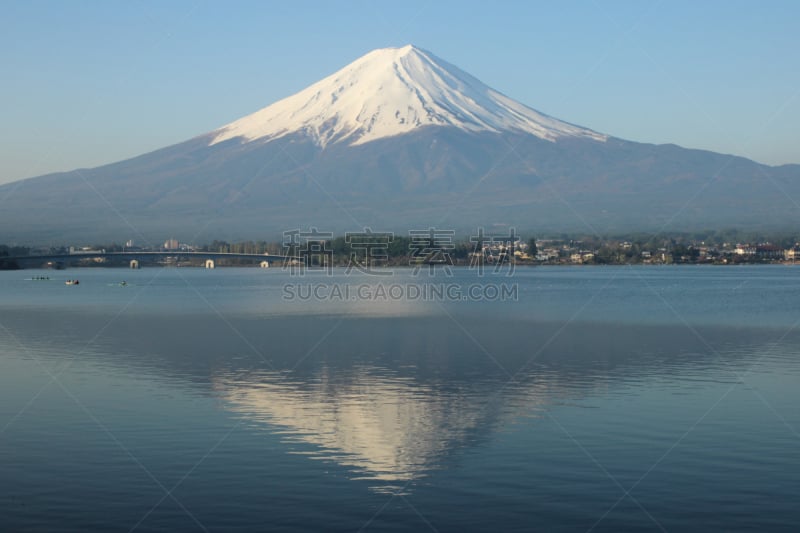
[769, 251]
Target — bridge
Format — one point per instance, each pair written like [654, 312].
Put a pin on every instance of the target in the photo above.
[134, 258]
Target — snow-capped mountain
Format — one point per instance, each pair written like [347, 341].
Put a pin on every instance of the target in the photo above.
[390, 92]
[398, 140]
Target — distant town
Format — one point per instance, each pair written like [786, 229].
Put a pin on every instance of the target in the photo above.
[376, 249]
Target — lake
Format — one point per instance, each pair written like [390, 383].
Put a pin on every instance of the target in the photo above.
[538, 399]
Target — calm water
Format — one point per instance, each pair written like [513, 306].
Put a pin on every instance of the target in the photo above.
[595, 399]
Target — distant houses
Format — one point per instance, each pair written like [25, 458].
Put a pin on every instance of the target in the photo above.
[495, 250]
[760, 251]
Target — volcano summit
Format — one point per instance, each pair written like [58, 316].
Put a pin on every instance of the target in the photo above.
[395, 91]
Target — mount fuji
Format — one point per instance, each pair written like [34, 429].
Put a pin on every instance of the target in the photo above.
[398, 140]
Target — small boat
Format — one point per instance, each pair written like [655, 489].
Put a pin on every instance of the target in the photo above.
[72, 282]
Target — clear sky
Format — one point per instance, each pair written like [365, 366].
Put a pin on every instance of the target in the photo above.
[92, 82]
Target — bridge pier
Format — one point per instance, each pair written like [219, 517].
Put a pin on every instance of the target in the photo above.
[210, 263]
[134, 264]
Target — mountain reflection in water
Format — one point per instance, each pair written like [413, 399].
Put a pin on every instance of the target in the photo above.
[484, 416]
[393, 399]
[390, 427]
[398, 411]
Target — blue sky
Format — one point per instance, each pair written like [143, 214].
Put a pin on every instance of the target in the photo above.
[87, 83]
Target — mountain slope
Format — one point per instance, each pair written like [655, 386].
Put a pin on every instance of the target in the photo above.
[398, 140]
